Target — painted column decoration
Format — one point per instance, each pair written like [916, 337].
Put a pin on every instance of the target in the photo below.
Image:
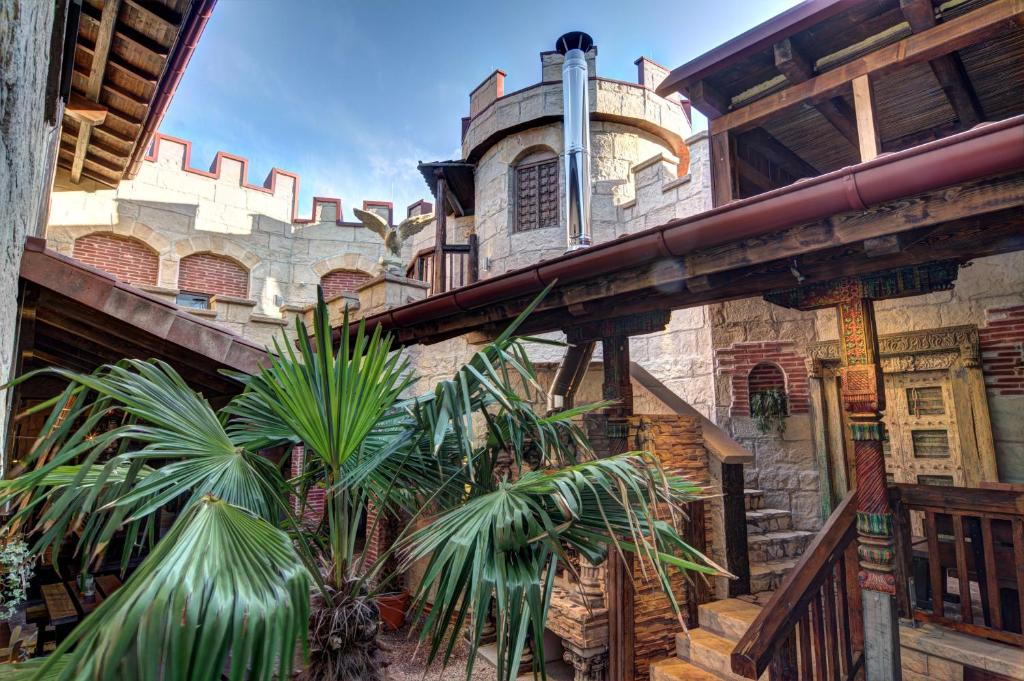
[863, 398]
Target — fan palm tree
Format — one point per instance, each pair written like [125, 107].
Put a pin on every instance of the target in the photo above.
[500, 494]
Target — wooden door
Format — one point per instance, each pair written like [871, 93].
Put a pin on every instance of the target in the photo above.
[923, 444]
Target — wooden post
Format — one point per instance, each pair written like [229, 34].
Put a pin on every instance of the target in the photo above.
[474, 258]
[440, 235]
[867, 121]
[863, 398]
[621, 597]
[734, 507]
[722, 169]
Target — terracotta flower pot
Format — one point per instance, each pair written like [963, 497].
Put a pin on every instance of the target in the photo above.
[392, 609]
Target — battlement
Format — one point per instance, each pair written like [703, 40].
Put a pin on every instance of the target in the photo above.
[226, 167]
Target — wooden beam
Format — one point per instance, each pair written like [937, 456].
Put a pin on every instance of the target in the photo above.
[751, 174]
[85, 111]
[797, 69]
[440, 234]
[723, 172]
[104, 36]
[969, 29]
[867, 121]
[948, 69]
[778, 153]
[707, 99]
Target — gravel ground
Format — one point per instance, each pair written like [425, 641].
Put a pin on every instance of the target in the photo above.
[409, 665]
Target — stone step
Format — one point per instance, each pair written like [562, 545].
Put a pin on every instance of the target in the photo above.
[773, 546]
[708, 651]
[764, 520]
[768, 576]
[753, 499]
[729, 618]
[674, 669]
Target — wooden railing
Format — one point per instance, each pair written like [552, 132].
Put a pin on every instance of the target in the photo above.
[960, 552]
[460, 265]
[812, 627]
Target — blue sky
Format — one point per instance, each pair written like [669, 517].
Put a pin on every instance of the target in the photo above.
[351, 95]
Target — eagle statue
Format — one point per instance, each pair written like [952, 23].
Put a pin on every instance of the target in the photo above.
[393, 237]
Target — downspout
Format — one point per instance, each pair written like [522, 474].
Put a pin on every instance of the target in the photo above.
[569, 375]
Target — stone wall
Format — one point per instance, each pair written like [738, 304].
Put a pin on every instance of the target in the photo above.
[179, 211]
[24, 154]
[986, 295]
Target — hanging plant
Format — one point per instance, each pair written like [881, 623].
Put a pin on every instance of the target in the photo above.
[768, 408]
[15, 572]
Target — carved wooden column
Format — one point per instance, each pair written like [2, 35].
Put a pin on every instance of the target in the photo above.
[863, 398]
[621, 632]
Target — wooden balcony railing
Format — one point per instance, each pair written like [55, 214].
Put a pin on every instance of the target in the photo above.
[812, 626]
[460, 265]
[961, 558]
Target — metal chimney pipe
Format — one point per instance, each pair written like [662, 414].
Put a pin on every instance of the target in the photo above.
[576, 115]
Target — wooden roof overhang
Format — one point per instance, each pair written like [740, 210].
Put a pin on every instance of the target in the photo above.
[128, 60]
[783, 92]
[459, 179]
[79, 318]
[957, 198]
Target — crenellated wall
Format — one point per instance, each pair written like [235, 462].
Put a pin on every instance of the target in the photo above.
[219, 215]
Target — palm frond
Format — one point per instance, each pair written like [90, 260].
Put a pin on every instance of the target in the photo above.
[224, 589]
[504, 547]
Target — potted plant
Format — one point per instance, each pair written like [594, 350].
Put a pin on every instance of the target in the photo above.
[393, 606]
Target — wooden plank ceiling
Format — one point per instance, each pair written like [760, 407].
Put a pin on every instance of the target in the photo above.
[915, 103]
[122, 52]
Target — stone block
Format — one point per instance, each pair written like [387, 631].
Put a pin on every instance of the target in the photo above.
[914, 661]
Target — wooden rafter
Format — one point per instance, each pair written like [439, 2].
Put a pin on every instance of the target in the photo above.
[945, 38]
[948, 69]
[797, 69]
[104, 37]
[778, 153]
[869, 141]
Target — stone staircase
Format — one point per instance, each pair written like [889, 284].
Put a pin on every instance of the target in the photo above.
[774, 548]
[704, 654]
[773, 544]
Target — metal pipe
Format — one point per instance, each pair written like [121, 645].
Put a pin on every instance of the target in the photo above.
[576, 125]
[569, 375]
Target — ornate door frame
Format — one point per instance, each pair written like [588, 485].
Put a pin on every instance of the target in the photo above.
[952, 349]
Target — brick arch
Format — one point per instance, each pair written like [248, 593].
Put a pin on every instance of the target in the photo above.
[213, 274]
[218, 245]
[341, 281]
[132, 230]
[129, 259]
[740, 361]
[766, 376]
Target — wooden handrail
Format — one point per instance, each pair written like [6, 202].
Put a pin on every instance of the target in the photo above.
[776, 625]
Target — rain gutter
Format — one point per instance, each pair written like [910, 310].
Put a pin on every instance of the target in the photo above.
[985, 150]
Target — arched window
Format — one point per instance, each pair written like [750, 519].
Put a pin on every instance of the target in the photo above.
[769, 404]
[128, 259]
[535, 191]
[337, 282]
[203, 275]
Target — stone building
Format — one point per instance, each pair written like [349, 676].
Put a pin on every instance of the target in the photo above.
[214, 242]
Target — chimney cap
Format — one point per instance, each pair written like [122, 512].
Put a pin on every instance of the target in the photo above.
[574, 40]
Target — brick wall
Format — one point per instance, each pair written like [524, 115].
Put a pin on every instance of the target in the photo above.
[214, 275]
[1002, 350]
[130, 260]
[750, 364]
[679, 445]
[313, 510]
[343, 281]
